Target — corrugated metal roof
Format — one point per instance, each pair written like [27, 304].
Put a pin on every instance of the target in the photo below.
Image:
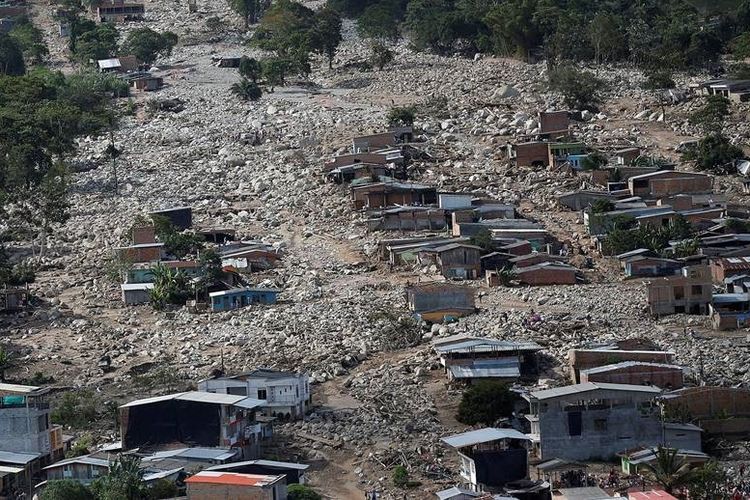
[459, 343]
[11, 457]
[589, 387]
[454, 492]
[4, 469]
[628, 364]
[130, 287]
[197, 453]
[153, 476]
[109, 63]
[244, 290]
[584, 493]
[266, 463]
[482, 436]
[22, 389]
[201, 397]
[232, 478]
[84, 459]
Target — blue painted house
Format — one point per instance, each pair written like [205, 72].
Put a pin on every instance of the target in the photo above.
[226, 300]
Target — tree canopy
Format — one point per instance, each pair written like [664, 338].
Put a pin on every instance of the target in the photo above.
[146, 44]
[485, 402]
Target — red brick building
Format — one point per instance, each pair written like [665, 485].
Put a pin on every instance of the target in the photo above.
[636, 373]
[584, 359]
[669, 182]
[547, 273]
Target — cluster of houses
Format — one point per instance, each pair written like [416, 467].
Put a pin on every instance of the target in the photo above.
[627, 399]
[712, 279]
[208, 442]
[221, 293]
[462, 236]
[131, 71]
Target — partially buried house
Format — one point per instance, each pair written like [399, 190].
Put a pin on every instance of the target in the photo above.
[436, 302]
[468, 359]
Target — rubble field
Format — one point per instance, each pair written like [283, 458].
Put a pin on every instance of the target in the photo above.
[257, 167]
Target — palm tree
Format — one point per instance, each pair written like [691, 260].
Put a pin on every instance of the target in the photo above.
[668, 470]
[246, 90]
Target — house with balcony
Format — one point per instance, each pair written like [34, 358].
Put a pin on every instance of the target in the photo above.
[193, 418]
[284, 394]
[27, 439]
[599, 420]
[491, 458]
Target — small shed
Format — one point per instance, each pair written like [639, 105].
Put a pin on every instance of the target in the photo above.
[136, 293]
[235, 298]
[13, 299]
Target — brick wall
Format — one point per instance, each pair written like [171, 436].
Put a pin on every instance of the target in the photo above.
[639, 375]
[528, 154]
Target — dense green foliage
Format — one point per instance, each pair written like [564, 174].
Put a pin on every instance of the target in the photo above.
[249, 10]
[75, 409]
[247, 90]
[293, 31]
[146, 44]
[11, 56]
[485, 402]
[30, 39]
[124, 481]
[381, 55]
[250, 68]
[710, 117]
[302, 492]
[622, 237]
[580, 89]
[65, 489]
[400, 117]
[670, 34]
[714, 153]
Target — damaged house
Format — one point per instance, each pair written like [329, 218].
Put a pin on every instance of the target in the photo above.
[491, 457]
[194, 419]
[689, 292]
[597, 420]
[438, 302]
[388, 193]
[469, 359]
[454, 260]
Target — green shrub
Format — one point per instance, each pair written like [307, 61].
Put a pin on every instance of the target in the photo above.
[486, 402]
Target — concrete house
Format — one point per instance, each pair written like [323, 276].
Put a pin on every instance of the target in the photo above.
[660, 375]
[454, 260]
[669, 182]
[217, 485]
[490, 457]
[643, 266]
[28, 441]
[434, 302]
[136, 293]
[686, 293]
[236, 298]
[597, 420]
[283, 394]
[144, 252]
[195, 418]
[468, 359]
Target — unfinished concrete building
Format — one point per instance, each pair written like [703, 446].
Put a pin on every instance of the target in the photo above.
[686, 293]
[597, 421]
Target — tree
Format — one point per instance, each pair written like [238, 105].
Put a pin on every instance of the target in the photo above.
[401, 117]
[485, 403]
[513, 29]
[708, 481]
[326, 33]
[250, 10]
[302, 492]
[711, 116]
[171, 286]
[483, 240]
[400, 476]
[714, 153]
[668, 470]
[30, 39]
[123, 482]
[377, 21]
[75, 409]
[580, 89]
[286, 28]
[11, 57]
[381, 55]
[601, 206]
[594, 161]
[65, 489]
[606, 37]
[246, 90]
[146, 44]
[6, 362]
[163, 488]
[250, 68]
[659, 80]
[275, 70]
[98, 43]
